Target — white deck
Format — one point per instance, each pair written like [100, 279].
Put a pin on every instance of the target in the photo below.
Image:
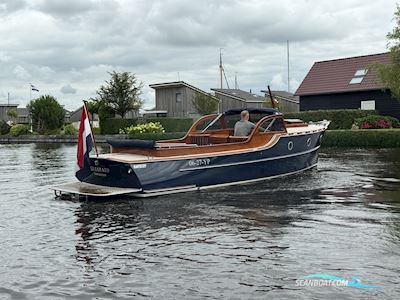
[87, 189]
[308, 129]
[126, 157]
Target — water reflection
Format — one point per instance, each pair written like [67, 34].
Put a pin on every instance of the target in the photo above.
[48, 156]
[250, 241]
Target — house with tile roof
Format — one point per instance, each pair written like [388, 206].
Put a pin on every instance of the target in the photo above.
[23, 116]
[347, 83]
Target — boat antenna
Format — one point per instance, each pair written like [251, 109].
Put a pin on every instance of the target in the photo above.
[91, 127]
[272, 98]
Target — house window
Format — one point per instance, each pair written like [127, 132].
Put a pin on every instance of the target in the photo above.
[368, 105]
[178, 97]
[359, 76]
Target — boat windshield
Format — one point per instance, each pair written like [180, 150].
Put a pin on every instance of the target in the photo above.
[226, 121]
[212, 123]
[230, 120]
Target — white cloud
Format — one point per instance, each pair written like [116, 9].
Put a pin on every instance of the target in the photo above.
[4, 57]
[68, 89]
[78, 42]
[21, 73]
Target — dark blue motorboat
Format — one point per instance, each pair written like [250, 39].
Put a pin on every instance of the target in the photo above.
[209, 155]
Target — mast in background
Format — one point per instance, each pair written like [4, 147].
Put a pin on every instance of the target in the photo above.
[288, 67]
[236, 84]
[222, 73]
[220, 67]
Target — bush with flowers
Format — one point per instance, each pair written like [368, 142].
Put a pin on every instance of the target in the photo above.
[151, 127]
[377, 122]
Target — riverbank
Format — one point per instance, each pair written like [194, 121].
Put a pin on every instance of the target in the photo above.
[369, 138]
[48, 139]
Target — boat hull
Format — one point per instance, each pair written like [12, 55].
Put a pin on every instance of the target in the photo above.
[290, 154]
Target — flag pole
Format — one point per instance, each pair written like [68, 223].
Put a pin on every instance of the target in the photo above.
[91, 127]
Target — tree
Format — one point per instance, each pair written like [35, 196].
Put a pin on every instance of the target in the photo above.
[204, 104]
[47, 114]
[390, 74]
[12, 113]
[93, 107]
[121, 93]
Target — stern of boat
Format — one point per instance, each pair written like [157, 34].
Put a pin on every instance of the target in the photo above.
[105, 172]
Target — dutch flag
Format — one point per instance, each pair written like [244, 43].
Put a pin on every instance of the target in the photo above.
[85, 145]
[34, 88]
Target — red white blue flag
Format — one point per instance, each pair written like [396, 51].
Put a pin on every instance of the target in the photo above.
[85, 145]
[34, 88]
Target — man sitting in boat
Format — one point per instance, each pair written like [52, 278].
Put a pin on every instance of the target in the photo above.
[244, 126]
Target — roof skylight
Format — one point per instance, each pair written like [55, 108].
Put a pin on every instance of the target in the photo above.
[358, 76]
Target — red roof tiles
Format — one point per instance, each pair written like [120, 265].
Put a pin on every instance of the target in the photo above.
[333, 76]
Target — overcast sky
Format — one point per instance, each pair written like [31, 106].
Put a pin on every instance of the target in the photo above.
[66, 48]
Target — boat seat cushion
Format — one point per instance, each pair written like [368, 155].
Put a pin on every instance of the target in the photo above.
[131, 143]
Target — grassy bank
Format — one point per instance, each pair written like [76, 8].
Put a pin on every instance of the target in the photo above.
[367, 138]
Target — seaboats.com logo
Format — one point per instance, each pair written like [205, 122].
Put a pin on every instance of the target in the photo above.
[330, 280]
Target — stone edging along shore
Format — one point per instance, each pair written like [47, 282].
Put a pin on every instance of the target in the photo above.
[30, 138]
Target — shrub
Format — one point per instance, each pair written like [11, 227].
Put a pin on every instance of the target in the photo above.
[55, 131]
[113, 125]
[19, 129]
[377, 122]
[173, 124]
[69, 129]
[4, 128]
[150, 127]
[371, 138]
[341, 118]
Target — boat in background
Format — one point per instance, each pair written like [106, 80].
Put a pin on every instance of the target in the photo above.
[208, 156]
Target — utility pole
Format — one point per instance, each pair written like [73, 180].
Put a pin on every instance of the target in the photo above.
[8, 98]
[288, 67]
[236, 85]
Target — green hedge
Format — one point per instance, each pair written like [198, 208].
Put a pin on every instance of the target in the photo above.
[157, 136]
[173, 124]
[363, 138]
[113, 125]
[341, 118]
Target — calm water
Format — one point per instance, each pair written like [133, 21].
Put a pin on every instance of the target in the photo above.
[245, 242]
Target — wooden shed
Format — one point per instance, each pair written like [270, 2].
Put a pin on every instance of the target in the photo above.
[176, 98]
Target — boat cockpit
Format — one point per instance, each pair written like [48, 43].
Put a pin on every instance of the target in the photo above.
[219, 128]
[215, 133]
